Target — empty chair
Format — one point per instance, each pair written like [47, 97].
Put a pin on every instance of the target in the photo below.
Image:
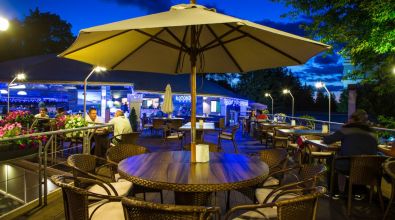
[389, 169]
[303, 206]
[120, 152]
[90, 166]
[171, 133]
[142, 210]
[76, 200]
[223, 135]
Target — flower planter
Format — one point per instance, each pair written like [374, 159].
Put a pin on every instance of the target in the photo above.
[12, 151]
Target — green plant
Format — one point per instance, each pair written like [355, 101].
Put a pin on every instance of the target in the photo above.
[133, 119]
[386, 122]
[308, 122]
[265, 112]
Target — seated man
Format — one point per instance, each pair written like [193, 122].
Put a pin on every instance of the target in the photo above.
[121, 126]
[92, 118]
[43, 113]
[357, 138]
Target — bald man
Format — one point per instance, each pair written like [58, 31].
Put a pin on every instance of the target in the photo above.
[121, 124]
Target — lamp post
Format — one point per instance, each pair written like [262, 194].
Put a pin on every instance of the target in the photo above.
[20, 77]
[320, 85]
[268, 95]
[287, 91]
[4, 24]
[97, 69]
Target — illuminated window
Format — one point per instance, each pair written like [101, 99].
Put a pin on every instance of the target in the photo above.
[213, 106]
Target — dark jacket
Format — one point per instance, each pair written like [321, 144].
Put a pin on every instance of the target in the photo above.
[356, 139]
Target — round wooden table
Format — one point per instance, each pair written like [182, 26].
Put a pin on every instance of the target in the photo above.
[193, 182]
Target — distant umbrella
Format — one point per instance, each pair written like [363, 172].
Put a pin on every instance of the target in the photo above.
[168, 101]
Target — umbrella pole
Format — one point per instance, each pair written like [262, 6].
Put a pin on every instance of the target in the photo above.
[193, 58]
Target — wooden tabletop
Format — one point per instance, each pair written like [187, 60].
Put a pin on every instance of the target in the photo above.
[207, 126]
[323, 146]
[387, 150]
[299, 132]
[172, 170]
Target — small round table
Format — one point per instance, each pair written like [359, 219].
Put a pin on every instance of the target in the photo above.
[193, 183]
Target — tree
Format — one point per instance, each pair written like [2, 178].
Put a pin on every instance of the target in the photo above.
[363, 30]
[343, 102]
[39, 33]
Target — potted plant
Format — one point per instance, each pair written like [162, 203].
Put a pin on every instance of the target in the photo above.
[75, 121]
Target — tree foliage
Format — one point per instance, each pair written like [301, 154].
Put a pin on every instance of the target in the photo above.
[39, 33]
[363, 30]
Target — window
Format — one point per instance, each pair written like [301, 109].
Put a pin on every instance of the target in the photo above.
[213, 106]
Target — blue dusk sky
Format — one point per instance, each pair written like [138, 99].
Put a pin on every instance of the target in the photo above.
[86, 13]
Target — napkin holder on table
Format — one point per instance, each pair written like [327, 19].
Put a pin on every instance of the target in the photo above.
[202, 153]
[325, 128]
[293, 122]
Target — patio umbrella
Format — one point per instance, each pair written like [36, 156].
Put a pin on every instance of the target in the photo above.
[189, 39]
[168, 101]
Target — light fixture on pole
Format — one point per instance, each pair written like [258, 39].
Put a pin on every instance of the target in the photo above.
[268, 95]
[4, 24]
[97, 69]
[287, 91]
[320, 85]
[19, 77]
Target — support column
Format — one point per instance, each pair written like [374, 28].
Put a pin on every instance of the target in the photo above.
[352, 99]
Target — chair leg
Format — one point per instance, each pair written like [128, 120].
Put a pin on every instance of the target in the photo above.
[349, 198]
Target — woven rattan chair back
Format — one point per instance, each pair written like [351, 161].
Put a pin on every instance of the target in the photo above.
[120, 152]
[142, 210]
[389, 167]
[301, 208]
[129, 138]
[273, 157]
[311, 171]
[366, 169]
[157, 123]
[221, 123]
[84, 162]
[176, 124]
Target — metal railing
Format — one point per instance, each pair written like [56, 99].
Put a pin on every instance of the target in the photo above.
[43, 152]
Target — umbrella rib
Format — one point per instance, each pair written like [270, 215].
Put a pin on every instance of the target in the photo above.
[180, 51]
[160, 41]
[226, 49]
[270, 46]
[225, 42]
[176, 38]
[138, 48]
[96, 42]
[220, 37]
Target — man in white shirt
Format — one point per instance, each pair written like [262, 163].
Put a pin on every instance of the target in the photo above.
[92, 117]
[121, 124]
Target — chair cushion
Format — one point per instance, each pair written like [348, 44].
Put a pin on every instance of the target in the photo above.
[262, 193]
[111, 210]
[122, 188]
[271, 134]
[271, 181]
[226, 137]
[264, 213]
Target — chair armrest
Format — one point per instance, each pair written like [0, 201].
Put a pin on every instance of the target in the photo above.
[288, 186]
[248, 208]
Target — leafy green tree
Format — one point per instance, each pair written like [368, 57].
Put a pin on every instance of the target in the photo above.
[363, 30]
[39, 33]
[343, 102]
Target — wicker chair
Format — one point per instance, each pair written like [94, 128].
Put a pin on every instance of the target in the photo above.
[77, 203]
[141, 210]
[158, 124]
[364, 170]
[389, 169]
[223, 135]
[305, 176]
[171, 133]
[303, 206]
[129, 138]
[279, 140]
[120, 152]
[92, 167]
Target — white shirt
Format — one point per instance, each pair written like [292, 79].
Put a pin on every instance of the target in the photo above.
[121, 125]
[89, 120]
[39, 116]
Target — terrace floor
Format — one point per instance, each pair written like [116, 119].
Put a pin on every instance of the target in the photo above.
[328, 208]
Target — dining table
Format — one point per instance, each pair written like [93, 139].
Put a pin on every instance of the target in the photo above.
[324, 147]
[300, 132]
[193, 183]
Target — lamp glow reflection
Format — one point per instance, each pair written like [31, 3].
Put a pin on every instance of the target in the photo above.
[19, 77]
[97, 69]
[320, 85]
[4, 24]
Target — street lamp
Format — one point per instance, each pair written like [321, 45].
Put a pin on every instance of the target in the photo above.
[320, 85]
[97, 69]
[4, 24]
[287, 91]
[268, 95]
[19, 77]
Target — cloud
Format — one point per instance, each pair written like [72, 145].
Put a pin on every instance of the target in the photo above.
[147, 5]
[292, 27]
[327, 59]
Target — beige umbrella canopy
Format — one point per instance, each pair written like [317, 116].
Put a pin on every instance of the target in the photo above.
[168, 101]
[188, 39]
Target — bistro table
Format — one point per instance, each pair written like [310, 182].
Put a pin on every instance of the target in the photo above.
[193, 183]
[299, 132]
[325, 147]
[207, 126]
